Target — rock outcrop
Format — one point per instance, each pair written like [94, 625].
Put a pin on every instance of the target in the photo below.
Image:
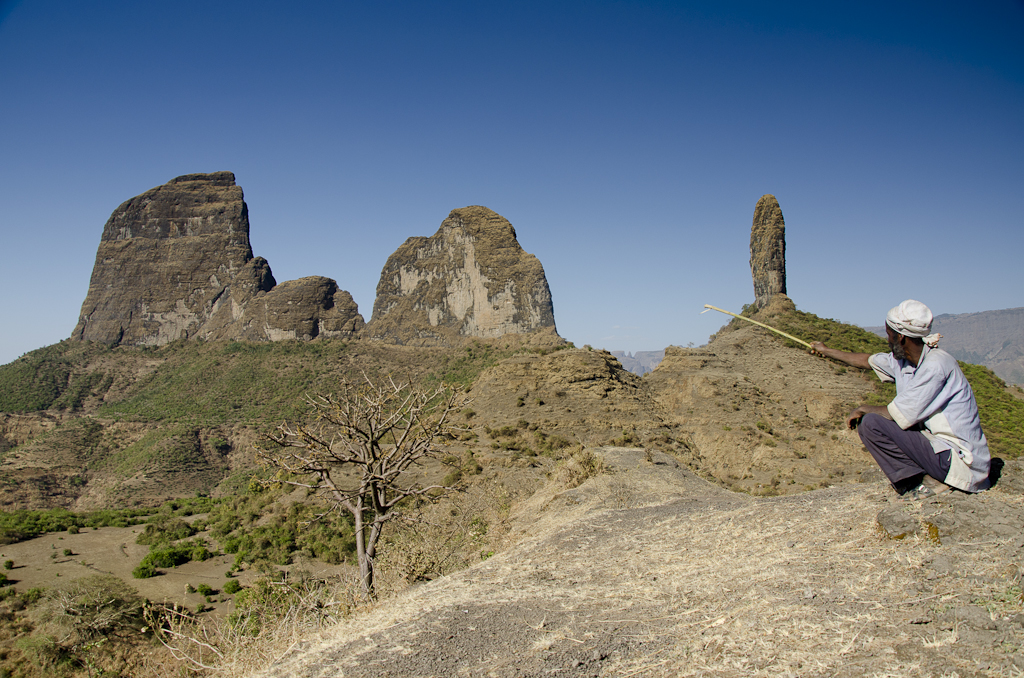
[297, 309]
[470, 279]
[768, 250]
[176, 262]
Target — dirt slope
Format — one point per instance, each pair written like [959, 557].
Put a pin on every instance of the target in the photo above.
[760, 416]
[649, 570]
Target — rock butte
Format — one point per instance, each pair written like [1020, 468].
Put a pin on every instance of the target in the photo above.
[176, 263]
[470, 279]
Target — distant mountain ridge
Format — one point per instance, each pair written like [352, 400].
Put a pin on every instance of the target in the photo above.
[640, 362]
[994, 339]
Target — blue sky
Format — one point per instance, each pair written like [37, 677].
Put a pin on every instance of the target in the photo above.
[627, 142]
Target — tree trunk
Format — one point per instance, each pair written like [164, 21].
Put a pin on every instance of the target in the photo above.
[365, 559]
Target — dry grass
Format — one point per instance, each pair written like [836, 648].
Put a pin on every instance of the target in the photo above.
[434, 540]
[282, 616]
[580, 465]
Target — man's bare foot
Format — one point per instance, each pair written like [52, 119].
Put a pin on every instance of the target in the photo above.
[936, 486]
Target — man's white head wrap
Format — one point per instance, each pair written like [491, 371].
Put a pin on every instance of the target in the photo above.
[913, 319]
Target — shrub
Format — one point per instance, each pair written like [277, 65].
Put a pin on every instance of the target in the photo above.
[232, 586]
[581, 465]
[144, 571]
[167, 556]
[165, 528]
[84, 609]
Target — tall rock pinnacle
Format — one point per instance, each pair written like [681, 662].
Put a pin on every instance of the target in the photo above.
[768, 250]
[470, 279]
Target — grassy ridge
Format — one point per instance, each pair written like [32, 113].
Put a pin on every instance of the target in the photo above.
[190, 394]
[53, 377]
[1002, 415]
[260, 383]
[222, 382]
[211, 384]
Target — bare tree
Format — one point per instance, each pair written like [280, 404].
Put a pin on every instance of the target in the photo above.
[359, 450]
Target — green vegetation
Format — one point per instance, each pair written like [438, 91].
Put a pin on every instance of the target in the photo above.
[288, 529]
[209, 384]
[206, 384]
[171, 555]
[1002, 415]
[462, 369]
[164, 529]
[811, 328]
[52, 377]
[21, 525]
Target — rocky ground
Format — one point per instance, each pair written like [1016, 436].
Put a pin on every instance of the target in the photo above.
[648, 570]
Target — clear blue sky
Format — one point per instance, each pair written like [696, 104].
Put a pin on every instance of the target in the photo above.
[627, 142]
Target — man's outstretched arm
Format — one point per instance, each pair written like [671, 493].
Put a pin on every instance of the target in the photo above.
[852, 359]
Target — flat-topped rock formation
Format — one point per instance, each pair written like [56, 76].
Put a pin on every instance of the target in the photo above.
[768, 250]
[176, 263]
[470, 279]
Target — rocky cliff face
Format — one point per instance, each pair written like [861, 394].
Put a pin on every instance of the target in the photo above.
[768, 250]
[175, 262]
[470, 279]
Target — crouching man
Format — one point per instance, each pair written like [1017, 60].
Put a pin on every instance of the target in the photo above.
[929, 437]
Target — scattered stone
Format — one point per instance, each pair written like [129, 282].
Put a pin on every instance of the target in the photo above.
[974, 615]
[897, 524]
[940, 565]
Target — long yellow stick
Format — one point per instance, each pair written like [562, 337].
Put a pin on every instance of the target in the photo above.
[709, 307]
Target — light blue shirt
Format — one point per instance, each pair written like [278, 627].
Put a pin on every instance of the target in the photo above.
[937, 394]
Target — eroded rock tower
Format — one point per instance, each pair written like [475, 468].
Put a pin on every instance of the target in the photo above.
[470, 279]
[768, 250]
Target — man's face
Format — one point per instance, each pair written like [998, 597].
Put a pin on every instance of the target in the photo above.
[894, 344]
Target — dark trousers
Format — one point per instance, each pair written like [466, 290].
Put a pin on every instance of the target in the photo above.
[904, 456]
